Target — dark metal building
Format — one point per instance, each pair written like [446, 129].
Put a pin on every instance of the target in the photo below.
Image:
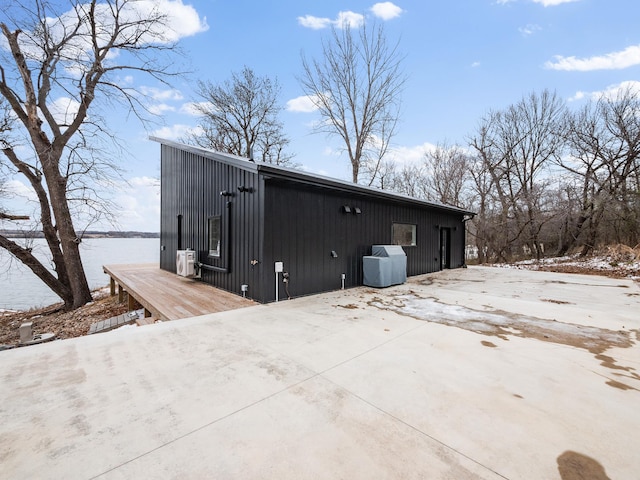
[241, 218]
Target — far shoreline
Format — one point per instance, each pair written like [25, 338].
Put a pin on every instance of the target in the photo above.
[88, 234]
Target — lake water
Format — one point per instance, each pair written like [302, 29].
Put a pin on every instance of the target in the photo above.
[20, 289]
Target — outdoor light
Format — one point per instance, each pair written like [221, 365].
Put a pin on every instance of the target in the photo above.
[334, 254]
[346, 209]
[357, 210]
[242, 188]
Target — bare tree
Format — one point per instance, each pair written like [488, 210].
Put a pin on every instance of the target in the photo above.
[71, 58]
[493, 222]
[386, 178]
[482, 227]
[604, 146]
[240, 116]
[409, 180]
[517, 147]
[356, 87]
[448, 174]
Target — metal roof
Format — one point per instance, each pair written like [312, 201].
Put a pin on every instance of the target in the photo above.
[297, 176]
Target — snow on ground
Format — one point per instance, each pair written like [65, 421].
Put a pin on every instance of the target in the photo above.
[592, 339]
[615, 261]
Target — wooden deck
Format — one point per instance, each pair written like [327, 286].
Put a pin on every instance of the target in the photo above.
[166, 296]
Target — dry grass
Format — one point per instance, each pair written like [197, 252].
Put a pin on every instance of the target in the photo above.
[53, 319]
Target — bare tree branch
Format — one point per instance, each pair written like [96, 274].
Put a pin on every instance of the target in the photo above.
[356, 87]
[73, 56]
[240, 115]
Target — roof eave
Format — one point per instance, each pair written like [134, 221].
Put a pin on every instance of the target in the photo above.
[296, 175]
[268, 169]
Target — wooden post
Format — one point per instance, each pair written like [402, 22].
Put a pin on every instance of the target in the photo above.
[131, 302]
[120, 294]
[112, 286]
[147, 313]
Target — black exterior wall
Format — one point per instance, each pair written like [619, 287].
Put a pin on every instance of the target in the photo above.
[280, 215]
[307, 223]
[191, 187]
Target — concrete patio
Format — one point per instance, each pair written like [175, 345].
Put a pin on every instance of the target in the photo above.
[478, 373]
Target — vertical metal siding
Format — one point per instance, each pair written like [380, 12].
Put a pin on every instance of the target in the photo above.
[191, 186]
[290, 222]
[303, 224]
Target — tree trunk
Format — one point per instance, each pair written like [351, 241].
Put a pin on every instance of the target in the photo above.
[70, 242]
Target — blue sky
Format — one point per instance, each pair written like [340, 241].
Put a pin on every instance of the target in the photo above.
[462, 58]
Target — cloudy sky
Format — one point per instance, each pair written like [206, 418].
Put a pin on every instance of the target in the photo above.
[462, 58]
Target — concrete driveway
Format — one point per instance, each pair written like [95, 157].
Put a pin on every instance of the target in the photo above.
[474, 373]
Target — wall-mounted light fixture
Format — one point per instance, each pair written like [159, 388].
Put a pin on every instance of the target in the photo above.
[346, 209]
[243, 189]
[334, 254]
[225, 193]
[357, 211]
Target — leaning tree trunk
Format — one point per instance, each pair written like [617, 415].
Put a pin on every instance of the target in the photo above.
[69, 240]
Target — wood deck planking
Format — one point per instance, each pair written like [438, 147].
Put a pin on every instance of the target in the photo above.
[168, 296]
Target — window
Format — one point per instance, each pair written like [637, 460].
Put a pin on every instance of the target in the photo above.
[403, 234]
[214, 236]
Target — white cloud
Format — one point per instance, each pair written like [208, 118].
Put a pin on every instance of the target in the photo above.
[628, 57]
[351, 19]
[15, 188]
[315, 23]
[553, 3]
[475, 64]
[348, 18]
[161, 108]
[175, 132]
[194, 109]
[578, 96]
[138, 203]
[382, 10]
[386, 10]
[529, 29]
[611, 92]
[177, 21]
[180, 20]
[64, 110]
[410, 155]
[303, 104]
[161, 94]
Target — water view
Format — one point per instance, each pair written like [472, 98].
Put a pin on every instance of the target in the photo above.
[20, 289]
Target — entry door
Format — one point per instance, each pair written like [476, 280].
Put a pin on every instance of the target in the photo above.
[445, 248]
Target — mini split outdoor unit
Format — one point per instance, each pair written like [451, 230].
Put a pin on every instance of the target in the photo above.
[185, 263]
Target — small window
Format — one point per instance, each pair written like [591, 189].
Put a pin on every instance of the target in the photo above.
[404, 234]
[214, 236]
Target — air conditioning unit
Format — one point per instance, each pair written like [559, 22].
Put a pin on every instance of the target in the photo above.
[185, 263]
